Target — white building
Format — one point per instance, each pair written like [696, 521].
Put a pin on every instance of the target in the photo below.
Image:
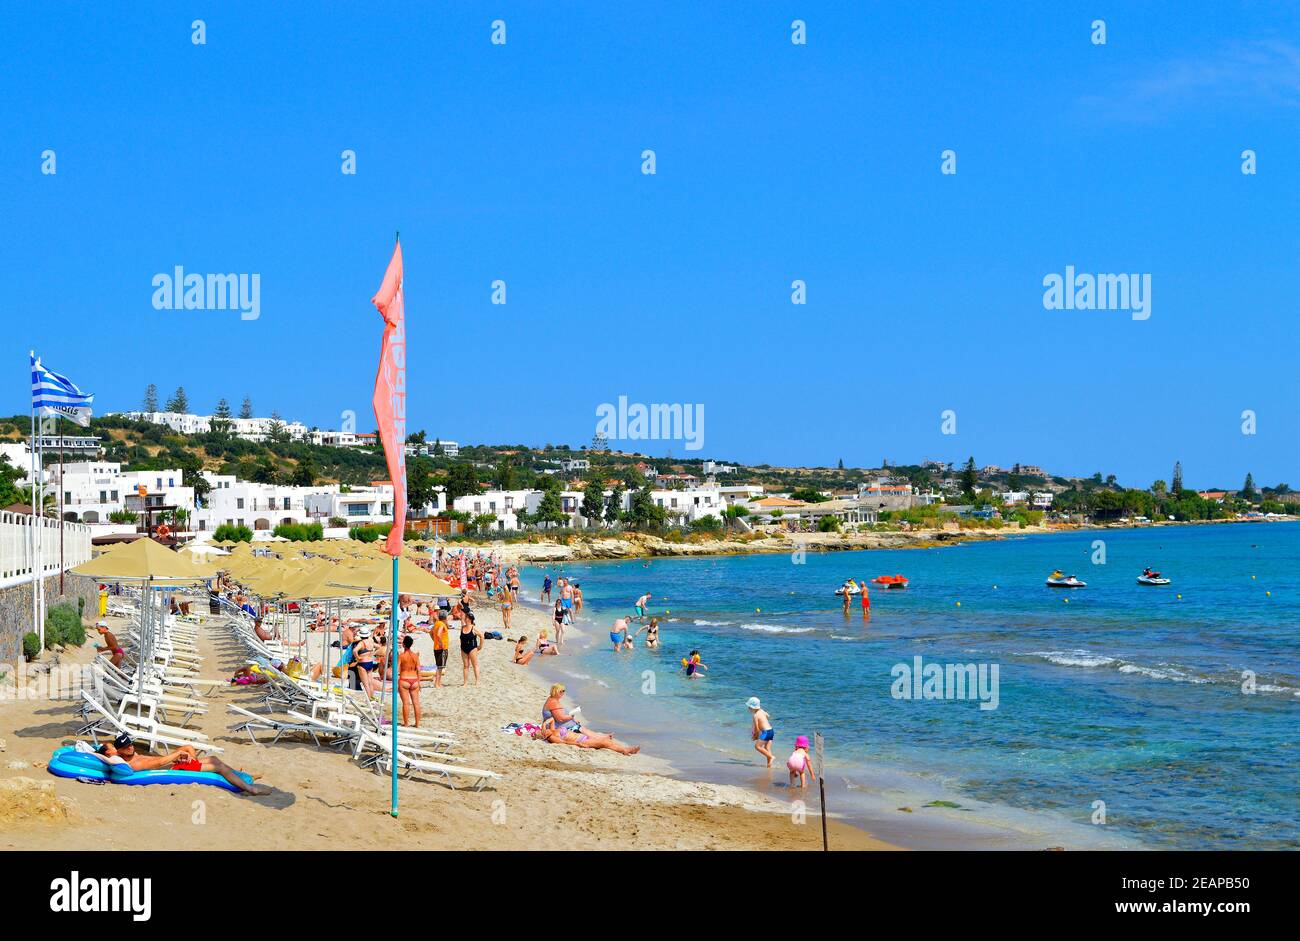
[713, 467]
[691, 503]
[234, 502]
[93, 489]
[358, 506]
[575, 464]
[1042, 500]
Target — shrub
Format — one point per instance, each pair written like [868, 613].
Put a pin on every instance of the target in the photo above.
[63, 626]
[122, 516]
[300, 532]
[31, 646]
[706, 524]
[227, 533]
[337, 521]
[828, 524]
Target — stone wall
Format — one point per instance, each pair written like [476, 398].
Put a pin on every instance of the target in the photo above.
[16, 609]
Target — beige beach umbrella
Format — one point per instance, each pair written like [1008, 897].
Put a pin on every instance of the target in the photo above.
[146, 560]
[376, 578]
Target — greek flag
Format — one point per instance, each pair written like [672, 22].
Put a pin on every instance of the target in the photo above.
[53, 394]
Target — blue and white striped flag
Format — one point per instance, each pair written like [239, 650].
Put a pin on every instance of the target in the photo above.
[53, 394]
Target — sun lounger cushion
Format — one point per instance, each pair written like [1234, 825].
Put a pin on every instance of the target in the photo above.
[69, 763]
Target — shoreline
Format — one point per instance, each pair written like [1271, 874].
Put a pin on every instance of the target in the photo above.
[627, 546]
[872, 797]
[550, 797]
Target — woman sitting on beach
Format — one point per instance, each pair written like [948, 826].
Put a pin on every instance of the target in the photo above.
[544, 645]
[550, 733]
[555, 713]
[522, 656]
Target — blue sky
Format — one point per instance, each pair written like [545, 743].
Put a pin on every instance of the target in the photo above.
[774, 162]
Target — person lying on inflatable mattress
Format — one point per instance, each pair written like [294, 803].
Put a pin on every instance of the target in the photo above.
[184, 758]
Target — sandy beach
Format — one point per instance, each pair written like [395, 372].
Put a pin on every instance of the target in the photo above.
[549, 796]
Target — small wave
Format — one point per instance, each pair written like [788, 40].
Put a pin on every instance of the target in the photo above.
[775, 628]
[844, 637]
[577, 676]
[1073, 658]
[700, 622]
[1168, 673]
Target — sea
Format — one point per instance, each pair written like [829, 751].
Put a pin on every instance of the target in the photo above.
[1110, 716]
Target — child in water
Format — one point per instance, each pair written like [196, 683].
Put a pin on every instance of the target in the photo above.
[762, 732]
[693, 666]
[799, 764]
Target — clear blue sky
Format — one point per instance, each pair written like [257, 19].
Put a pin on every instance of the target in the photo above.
[775, 162]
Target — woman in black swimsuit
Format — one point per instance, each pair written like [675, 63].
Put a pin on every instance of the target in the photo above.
[470, 641]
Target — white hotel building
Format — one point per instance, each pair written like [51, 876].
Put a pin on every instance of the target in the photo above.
[94, 489]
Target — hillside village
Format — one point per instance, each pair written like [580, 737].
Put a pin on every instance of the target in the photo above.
[244, 477]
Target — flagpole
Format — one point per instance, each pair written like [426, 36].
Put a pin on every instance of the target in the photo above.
[392, 626]
[58, 430]
[31, 529]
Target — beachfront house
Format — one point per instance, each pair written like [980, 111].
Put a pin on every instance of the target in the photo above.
[887, 496]
[849, 511]
[505, 505]
[689, 504]
[1042, 500]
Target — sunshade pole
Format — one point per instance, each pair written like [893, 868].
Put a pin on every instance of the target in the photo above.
[392, 646]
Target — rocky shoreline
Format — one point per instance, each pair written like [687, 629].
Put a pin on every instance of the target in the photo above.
[642, 546]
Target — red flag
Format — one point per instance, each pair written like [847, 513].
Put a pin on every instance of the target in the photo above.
[390, 392]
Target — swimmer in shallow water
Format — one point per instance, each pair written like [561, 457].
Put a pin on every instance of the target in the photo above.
[693, 666]
[651, 634]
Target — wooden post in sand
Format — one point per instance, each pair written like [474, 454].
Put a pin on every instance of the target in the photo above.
[819, 751]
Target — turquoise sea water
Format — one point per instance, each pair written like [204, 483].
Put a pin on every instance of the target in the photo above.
[1128, 695]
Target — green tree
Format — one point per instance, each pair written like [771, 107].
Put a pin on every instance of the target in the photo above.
[645, 513]
[150, 403]
[277, 431]
[503, 476]
[420, 485]
[593, 502]
[437, 448]
[969, 479]
[1177, 486]
[221, 420]
[1248, 489]
[462, 481]
[246, 410]
[304, 475]
[1159, 488]
[179, 402]
[550, 509]
[808, 495]
[614, 510]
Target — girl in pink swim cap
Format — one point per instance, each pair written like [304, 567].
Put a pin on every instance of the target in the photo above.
[799, 764]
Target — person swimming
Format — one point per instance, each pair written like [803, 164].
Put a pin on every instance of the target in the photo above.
[693, 666]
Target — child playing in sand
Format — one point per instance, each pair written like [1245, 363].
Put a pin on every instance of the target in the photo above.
[799, 764]
[762, 732]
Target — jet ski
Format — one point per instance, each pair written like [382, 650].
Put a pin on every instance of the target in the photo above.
[1059, 580]
[849, 588]
[1149, 577]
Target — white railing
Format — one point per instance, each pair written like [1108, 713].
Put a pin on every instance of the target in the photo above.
[18, 562]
